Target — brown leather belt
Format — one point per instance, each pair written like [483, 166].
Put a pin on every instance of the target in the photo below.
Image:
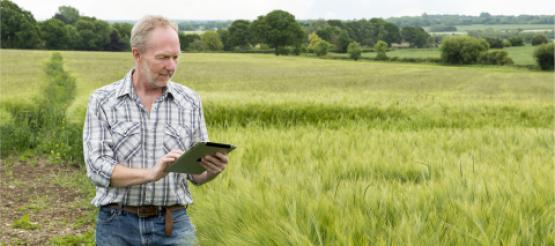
[149, 211]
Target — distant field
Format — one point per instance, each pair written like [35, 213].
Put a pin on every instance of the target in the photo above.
[338, 152]
[522, 55]
[545, 27]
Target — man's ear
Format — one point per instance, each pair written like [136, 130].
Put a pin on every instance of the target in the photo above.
[136, 54]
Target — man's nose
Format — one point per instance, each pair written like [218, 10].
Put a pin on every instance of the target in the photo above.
[171, 64]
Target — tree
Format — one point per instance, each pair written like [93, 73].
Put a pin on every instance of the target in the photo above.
[19, 29]
[462, 49]
[239, 34]
[544, 56]
[278, 29]
[124, 32]
[67, 14]
[94, 34]
[212, 41]
[116, 42]
[539, 39]
[185, 40]
[416, 36]
[55, 35]
[381, 47]
[354, 50]
[224, 37]
[197, 45]
[317, 45]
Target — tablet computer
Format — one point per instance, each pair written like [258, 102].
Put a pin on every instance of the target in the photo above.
[189, 162]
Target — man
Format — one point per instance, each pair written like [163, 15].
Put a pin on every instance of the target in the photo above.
[134, 130]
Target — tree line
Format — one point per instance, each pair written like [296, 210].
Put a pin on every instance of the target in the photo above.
[484, 18]
[278, 30]
[66, 30]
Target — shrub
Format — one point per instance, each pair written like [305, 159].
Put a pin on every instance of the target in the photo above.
[354, 50]
[544, 56]
[495, 57]
[322, 47]
[539, 39]
[462, 49]
[317, 45]
[506, 43]
[516, 41]
[495, 43]
[381, 47]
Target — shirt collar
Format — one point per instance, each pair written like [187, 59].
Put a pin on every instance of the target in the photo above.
[126, 87]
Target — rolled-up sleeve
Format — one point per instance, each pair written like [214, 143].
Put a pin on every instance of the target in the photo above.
[97, 142]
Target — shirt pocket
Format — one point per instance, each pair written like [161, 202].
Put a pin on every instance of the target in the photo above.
[176, 137]
[126, 137]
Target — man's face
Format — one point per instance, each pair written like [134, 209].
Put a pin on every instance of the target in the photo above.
[158, 61]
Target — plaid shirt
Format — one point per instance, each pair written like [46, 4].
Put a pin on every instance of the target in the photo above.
[118, 130]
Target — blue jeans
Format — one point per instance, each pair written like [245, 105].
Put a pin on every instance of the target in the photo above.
[117, 227]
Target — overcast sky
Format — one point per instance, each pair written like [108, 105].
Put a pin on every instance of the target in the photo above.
[302, 9]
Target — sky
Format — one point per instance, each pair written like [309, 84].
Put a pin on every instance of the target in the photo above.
[301, 9]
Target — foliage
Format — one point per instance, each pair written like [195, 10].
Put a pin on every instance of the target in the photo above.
[67, 14]
[416, 36]
[239, 34]
[25, 223]
[368, 32]
[185, 40]
[354, 50]
[494, 43]
[462, 49]
[484, 18]
[55, 35]
[516, 40]
[317, 45]
[495, 57]
[87, 238]
[539, 39]
[544, 56]
[381, 48]
[212, 41]
[94, 34]
[19, 28]
[197, 45]
[277, 29]
[443, 28]
[42, 126]
[124, 32]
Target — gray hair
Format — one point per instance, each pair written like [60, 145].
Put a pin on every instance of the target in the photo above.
[145, 26]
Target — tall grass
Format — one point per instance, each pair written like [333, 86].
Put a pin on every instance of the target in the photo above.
[41, 125]
[353, 186]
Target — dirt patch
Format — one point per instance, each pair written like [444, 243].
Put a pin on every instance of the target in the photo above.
[49, 194]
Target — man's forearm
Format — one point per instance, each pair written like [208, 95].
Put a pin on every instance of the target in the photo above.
[203, 178]
[123, 176]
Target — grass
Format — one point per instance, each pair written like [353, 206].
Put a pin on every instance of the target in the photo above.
[522, 55]
[360, 153]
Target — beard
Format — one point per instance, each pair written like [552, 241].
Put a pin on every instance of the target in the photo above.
[154, 79]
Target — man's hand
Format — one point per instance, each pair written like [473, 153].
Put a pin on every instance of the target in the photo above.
[214, 164]
[160, 170]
